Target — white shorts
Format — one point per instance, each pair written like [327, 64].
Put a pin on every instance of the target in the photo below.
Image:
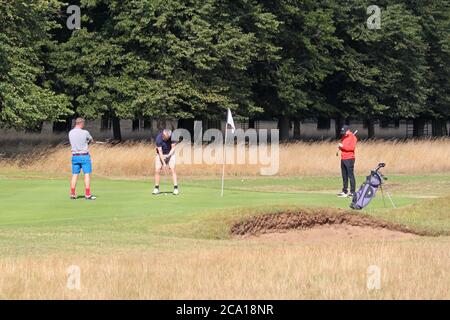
[171, 163]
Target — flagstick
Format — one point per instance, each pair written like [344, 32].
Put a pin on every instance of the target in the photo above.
[224, 156]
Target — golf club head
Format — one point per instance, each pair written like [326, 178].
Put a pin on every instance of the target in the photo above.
[382, 165]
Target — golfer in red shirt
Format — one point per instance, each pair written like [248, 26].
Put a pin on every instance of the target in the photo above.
[347, 148]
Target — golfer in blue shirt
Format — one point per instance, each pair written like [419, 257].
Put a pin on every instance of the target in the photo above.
[165, 159]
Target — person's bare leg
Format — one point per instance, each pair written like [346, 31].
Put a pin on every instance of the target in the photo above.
[87, 181]
[73, 184]
[175, 182]
[87, 184]
[157, 177]
[174, 177]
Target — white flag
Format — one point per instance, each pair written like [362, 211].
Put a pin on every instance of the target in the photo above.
[230, 121]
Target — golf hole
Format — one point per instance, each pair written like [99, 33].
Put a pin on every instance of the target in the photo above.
[320, 225]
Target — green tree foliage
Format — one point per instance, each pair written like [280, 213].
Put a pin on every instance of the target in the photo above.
[25, 99]
[290, 86]
[380, 72]
[187, 59]
[165, 59]
[435, 21]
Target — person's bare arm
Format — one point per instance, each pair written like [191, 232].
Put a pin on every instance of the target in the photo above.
[89, 138]
[161, 156]
[172, 151]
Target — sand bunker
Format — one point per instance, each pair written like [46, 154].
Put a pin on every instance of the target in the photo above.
[320, 225]
[334, 233]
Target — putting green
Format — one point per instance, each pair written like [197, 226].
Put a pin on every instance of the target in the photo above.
[37, 202]
[36, 215]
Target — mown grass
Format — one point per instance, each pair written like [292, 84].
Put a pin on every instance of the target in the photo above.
[37, 213]
[131, 245]
[429, 215]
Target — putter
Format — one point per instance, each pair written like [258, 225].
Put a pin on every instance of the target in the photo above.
[164, 174]
[165, 177]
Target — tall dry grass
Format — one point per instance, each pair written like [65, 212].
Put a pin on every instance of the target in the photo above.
[409, 270]
[295, 159]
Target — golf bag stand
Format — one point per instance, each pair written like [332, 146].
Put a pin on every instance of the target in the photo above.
[389, 196]
[369, 188]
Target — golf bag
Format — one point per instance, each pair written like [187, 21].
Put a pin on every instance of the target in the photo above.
[369, 188]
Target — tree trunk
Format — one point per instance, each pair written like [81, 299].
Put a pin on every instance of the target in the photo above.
[161, 124]
[338, 123]
[284, 125]
[63, 126]
[251, 123]
[297, 129]
[187, 124]
[439, 128]
[117, 134]
[370, 128]
[418, 127]
[35, 129]
[136, 124]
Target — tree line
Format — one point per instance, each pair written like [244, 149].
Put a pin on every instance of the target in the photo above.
[191, 59]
